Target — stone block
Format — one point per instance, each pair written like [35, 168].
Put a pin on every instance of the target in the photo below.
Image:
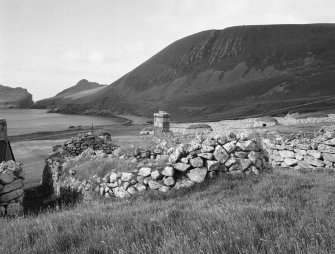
[12, 186]
[197, 175]
[11, 195]
[6, 177]
[286, 154]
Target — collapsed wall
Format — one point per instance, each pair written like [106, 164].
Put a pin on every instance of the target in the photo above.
[303, 152]
[11, 188]
[185, 165]
[53, 172]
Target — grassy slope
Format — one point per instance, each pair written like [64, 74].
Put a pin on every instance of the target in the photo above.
[283, 212]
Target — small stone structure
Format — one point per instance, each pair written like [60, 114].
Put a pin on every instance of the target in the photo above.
[161, 122]
[11, 177]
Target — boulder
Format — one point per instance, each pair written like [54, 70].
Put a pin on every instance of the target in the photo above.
[183, 184]
[182, 167]
[241, 154]
[313, 161]
[330, 142]
[230, 146]
[120, 192]
[168, 171]
[164, 189]
[207, 149]
[248, 145]
[12, 186]
[197, 162]
[286, 154]
[131, 190]
[212, 165]
[328, 157]
[113, 177]
[220, 154]
[244, 164]
[153, 185]
[300, 151]
[303, 146]
[207, 156]
[125, 177]
[144, 171]
[303, 164]
[326, 149]
[316, 154]
[169, 181]
[197, 175]
[11, 195]
[6, 177]
[290, 162]
[230, 162]
[156, 175]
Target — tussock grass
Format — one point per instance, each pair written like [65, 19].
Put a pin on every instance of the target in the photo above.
[282, 212]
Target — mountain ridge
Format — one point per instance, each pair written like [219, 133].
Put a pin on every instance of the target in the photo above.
[227, 73]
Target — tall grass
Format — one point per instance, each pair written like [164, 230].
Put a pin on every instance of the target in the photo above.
[283, 212]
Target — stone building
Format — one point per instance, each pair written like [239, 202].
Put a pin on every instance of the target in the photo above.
[161, 122]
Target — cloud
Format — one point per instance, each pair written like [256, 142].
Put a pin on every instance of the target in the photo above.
[91, 57]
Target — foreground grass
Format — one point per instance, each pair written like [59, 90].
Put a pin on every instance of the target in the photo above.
[282, 212]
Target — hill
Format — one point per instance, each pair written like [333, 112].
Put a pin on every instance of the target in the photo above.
[76, 93]
[15, 97]
[234, 72]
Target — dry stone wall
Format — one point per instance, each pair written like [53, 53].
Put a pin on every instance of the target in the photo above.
[186, 165]
[11, 188]
[300, 152]
[53, 171]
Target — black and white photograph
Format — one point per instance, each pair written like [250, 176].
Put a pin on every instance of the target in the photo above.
[167, 126]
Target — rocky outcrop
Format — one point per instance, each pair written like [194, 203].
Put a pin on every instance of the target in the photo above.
[15, 97]
[11, 188]
[175, 167]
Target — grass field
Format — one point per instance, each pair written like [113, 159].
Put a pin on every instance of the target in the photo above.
[281, 212]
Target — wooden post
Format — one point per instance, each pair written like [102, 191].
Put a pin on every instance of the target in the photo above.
[6, 152]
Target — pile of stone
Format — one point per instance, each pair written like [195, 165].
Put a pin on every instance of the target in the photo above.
[11, 188]
[303, 152]
[81, 142]
[187, 165]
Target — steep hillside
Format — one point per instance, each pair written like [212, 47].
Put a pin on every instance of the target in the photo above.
[75, 94]
[15, 97]
[234, 72]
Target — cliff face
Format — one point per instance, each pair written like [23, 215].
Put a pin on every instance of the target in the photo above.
[15, 97]
[235, 72]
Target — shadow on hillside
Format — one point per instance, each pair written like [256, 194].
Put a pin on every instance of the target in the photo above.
[37, 201]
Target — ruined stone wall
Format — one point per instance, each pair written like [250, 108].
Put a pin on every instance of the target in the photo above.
[186, 165]
[299, 152]
[11, 188]
[53, 170]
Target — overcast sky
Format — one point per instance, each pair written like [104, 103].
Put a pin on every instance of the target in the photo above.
[49, 45]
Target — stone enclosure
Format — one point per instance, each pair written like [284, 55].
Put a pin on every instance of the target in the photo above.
[181, 166]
